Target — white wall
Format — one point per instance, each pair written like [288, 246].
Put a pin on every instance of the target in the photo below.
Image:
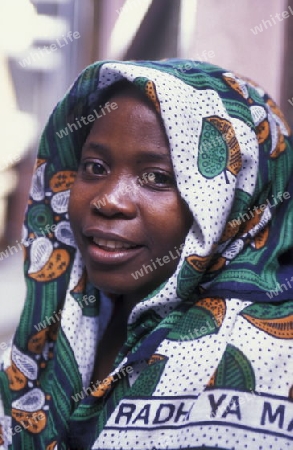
[224, 26]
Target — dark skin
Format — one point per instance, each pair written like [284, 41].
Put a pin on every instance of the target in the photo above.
[126, 186]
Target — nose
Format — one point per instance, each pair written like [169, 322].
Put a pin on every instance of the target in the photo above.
[115, 198]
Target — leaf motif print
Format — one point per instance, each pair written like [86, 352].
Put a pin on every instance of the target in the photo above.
[219, 149]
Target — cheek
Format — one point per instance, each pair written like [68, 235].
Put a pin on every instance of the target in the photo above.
[169, 222]
[76, 205]
[72, 203]
[186, 216]
[178, 216]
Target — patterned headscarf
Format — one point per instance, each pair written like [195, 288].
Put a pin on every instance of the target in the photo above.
[212, 340]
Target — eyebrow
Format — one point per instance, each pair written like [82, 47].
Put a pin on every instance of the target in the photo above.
[144, 155]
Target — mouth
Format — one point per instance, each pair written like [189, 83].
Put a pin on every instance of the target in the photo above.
[112, 245]
[106, 249]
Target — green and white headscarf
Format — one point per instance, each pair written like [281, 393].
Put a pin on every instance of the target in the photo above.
[208, 358]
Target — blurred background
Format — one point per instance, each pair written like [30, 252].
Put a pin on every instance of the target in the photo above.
[44, 44]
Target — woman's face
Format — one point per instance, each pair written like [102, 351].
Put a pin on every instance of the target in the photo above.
[125, 210]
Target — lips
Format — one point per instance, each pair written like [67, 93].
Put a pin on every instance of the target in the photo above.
[110, 248]
[112, 245]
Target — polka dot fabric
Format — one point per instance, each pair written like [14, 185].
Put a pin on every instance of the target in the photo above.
[207, 362]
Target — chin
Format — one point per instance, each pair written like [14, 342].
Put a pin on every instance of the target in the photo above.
[127, 290]
[114, 287]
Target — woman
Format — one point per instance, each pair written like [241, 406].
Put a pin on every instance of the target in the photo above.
[159, 310]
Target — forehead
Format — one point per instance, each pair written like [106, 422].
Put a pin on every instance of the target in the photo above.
[133, 120]
[124, 88]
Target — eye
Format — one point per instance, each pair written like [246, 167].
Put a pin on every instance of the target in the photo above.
[160, 178]
[155, 178]
[93, 168]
